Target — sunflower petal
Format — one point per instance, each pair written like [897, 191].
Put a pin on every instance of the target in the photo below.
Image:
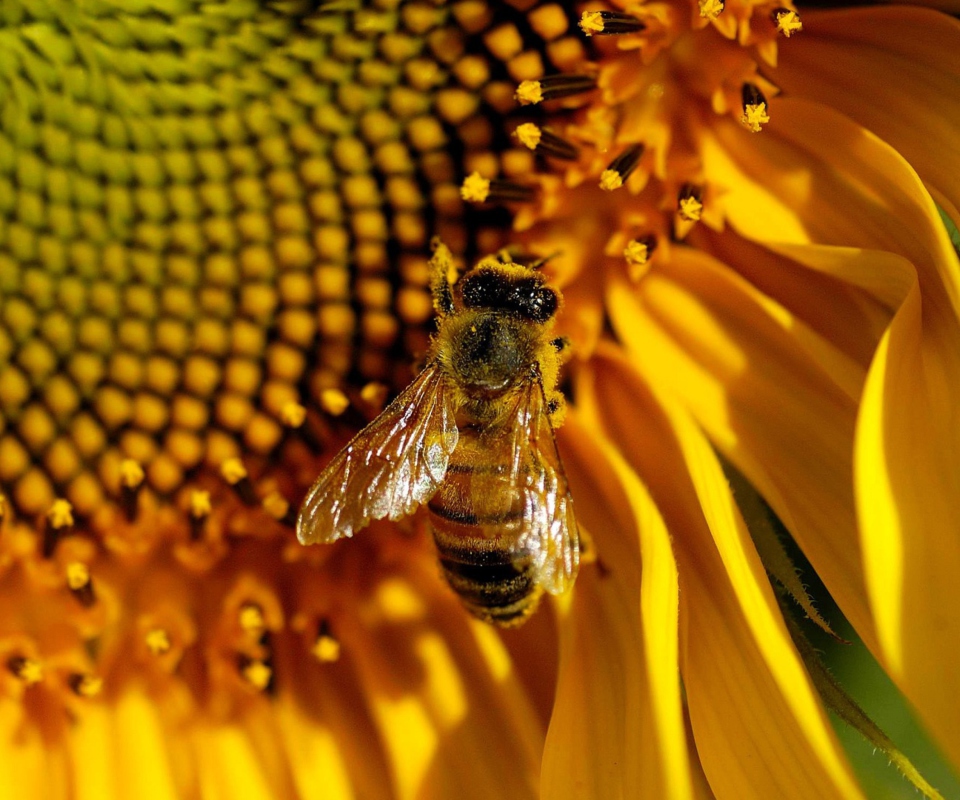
[866, 61]
[618, 704]
[759, 728]
[760, 383]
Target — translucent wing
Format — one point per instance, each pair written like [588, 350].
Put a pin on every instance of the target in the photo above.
[388, 469]
[549, 527]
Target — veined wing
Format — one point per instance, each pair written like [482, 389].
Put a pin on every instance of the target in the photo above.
[549, 528]
[388, 469]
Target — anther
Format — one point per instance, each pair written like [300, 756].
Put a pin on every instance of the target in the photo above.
[80, 583]
[85, 685]
[711, 9]
[235, 474]
[787, 21]
[754, 108]
[200, 509]
[637, 255]
[690, 203]
[292, 415]
[59, 523]
[477, 189]
[131, 479]
[620, 168]
[251, 619]
[334, 402]
[158, 641]
[257, 673]
[553, 87]
[278, 507]
[542, 140]
[602, 23]
[326, 648]
[25, 669]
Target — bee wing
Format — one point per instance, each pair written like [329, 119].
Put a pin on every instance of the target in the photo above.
[549, 527]
[388, 469]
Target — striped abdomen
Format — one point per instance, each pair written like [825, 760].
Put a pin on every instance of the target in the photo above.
[476, 519]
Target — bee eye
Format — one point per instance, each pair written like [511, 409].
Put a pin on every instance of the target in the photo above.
[483, 290]
[534, 301]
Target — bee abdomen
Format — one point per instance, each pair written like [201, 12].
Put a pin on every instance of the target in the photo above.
[491, 586]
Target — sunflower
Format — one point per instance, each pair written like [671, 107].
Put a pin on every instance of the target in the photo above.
[214, 225]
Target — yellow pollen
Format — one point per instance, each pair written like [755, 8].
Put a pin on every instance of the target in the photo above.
[636, 253]
[60, 514]
[293, 414]
[710, 9]
[28, 670]
[529, 135]
[754, 116]
[591, 22]
[87, 685]
[131, 473]
[233, 471]
[251, 618]
[610, 179]
[257, 674]
[529, 93]
[158, 641]
[326, 649]
[475, 188]
[276, 505]
[334, 402]
[374, 393]
[789, 23]
[690, 209]
[78, 575]
[200, 506]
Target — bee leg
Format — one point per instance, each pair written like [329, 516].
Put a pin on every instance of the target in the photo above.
[441, 266]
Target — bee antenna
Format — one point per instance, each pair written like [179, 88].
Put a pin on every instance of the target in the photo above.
[541, 261]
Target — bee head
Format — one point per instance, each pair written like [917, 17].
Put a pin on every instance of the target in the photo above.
[508, 289]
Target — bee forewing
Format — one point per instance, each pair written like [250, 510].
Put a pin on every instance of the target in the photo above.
[388, 469]
[550, 532]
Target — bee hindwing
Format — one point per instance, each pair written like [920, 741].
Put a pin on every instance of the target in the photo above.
[388, 469]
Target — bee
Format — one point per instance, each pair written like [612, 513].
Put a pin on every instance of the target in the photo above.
[472, 439]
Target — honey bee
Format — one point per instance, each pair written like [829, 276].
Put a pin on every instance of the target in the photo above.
[472, 439]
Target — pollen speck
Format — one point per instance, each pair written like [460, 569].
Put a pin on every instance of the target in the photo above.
[475, 188]
[755, 116]
[529, 93]
[78, 575]
[690, 208]
[711, 9]
[158, 641]
[610, 180]
[788, 22]
[591, 22]
[258, 674]
[131, 473]
[28, 670]
[60, 514]
[251, 618]
[233, 471]
[528, 135]
[200, 505]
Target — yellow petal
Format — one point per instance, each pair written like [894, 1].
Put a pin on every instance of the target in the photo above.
[453, 718]
[759, 727]
[617, 728]
[893, 70]
[141, 752]
[773, 396]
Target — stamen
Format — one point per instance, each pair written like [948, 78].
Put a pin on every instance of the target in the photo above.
[477, 189]
[334, 402]
[374, 394]
[278, 507]
[544, 141]
[85, 685]
[690, 203]
[711, 9]
[131, 479]
[80, 583]
[158, 641]
[59, 522]
[257, 673]
[637, 254]
[251, 619]
[620, 168]
[754, 108]
[553, 87]
[28, 670]
[604, 23]
[293, 415]
[787, 21]
[235, 474]
[326, 649]
[200, 508]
